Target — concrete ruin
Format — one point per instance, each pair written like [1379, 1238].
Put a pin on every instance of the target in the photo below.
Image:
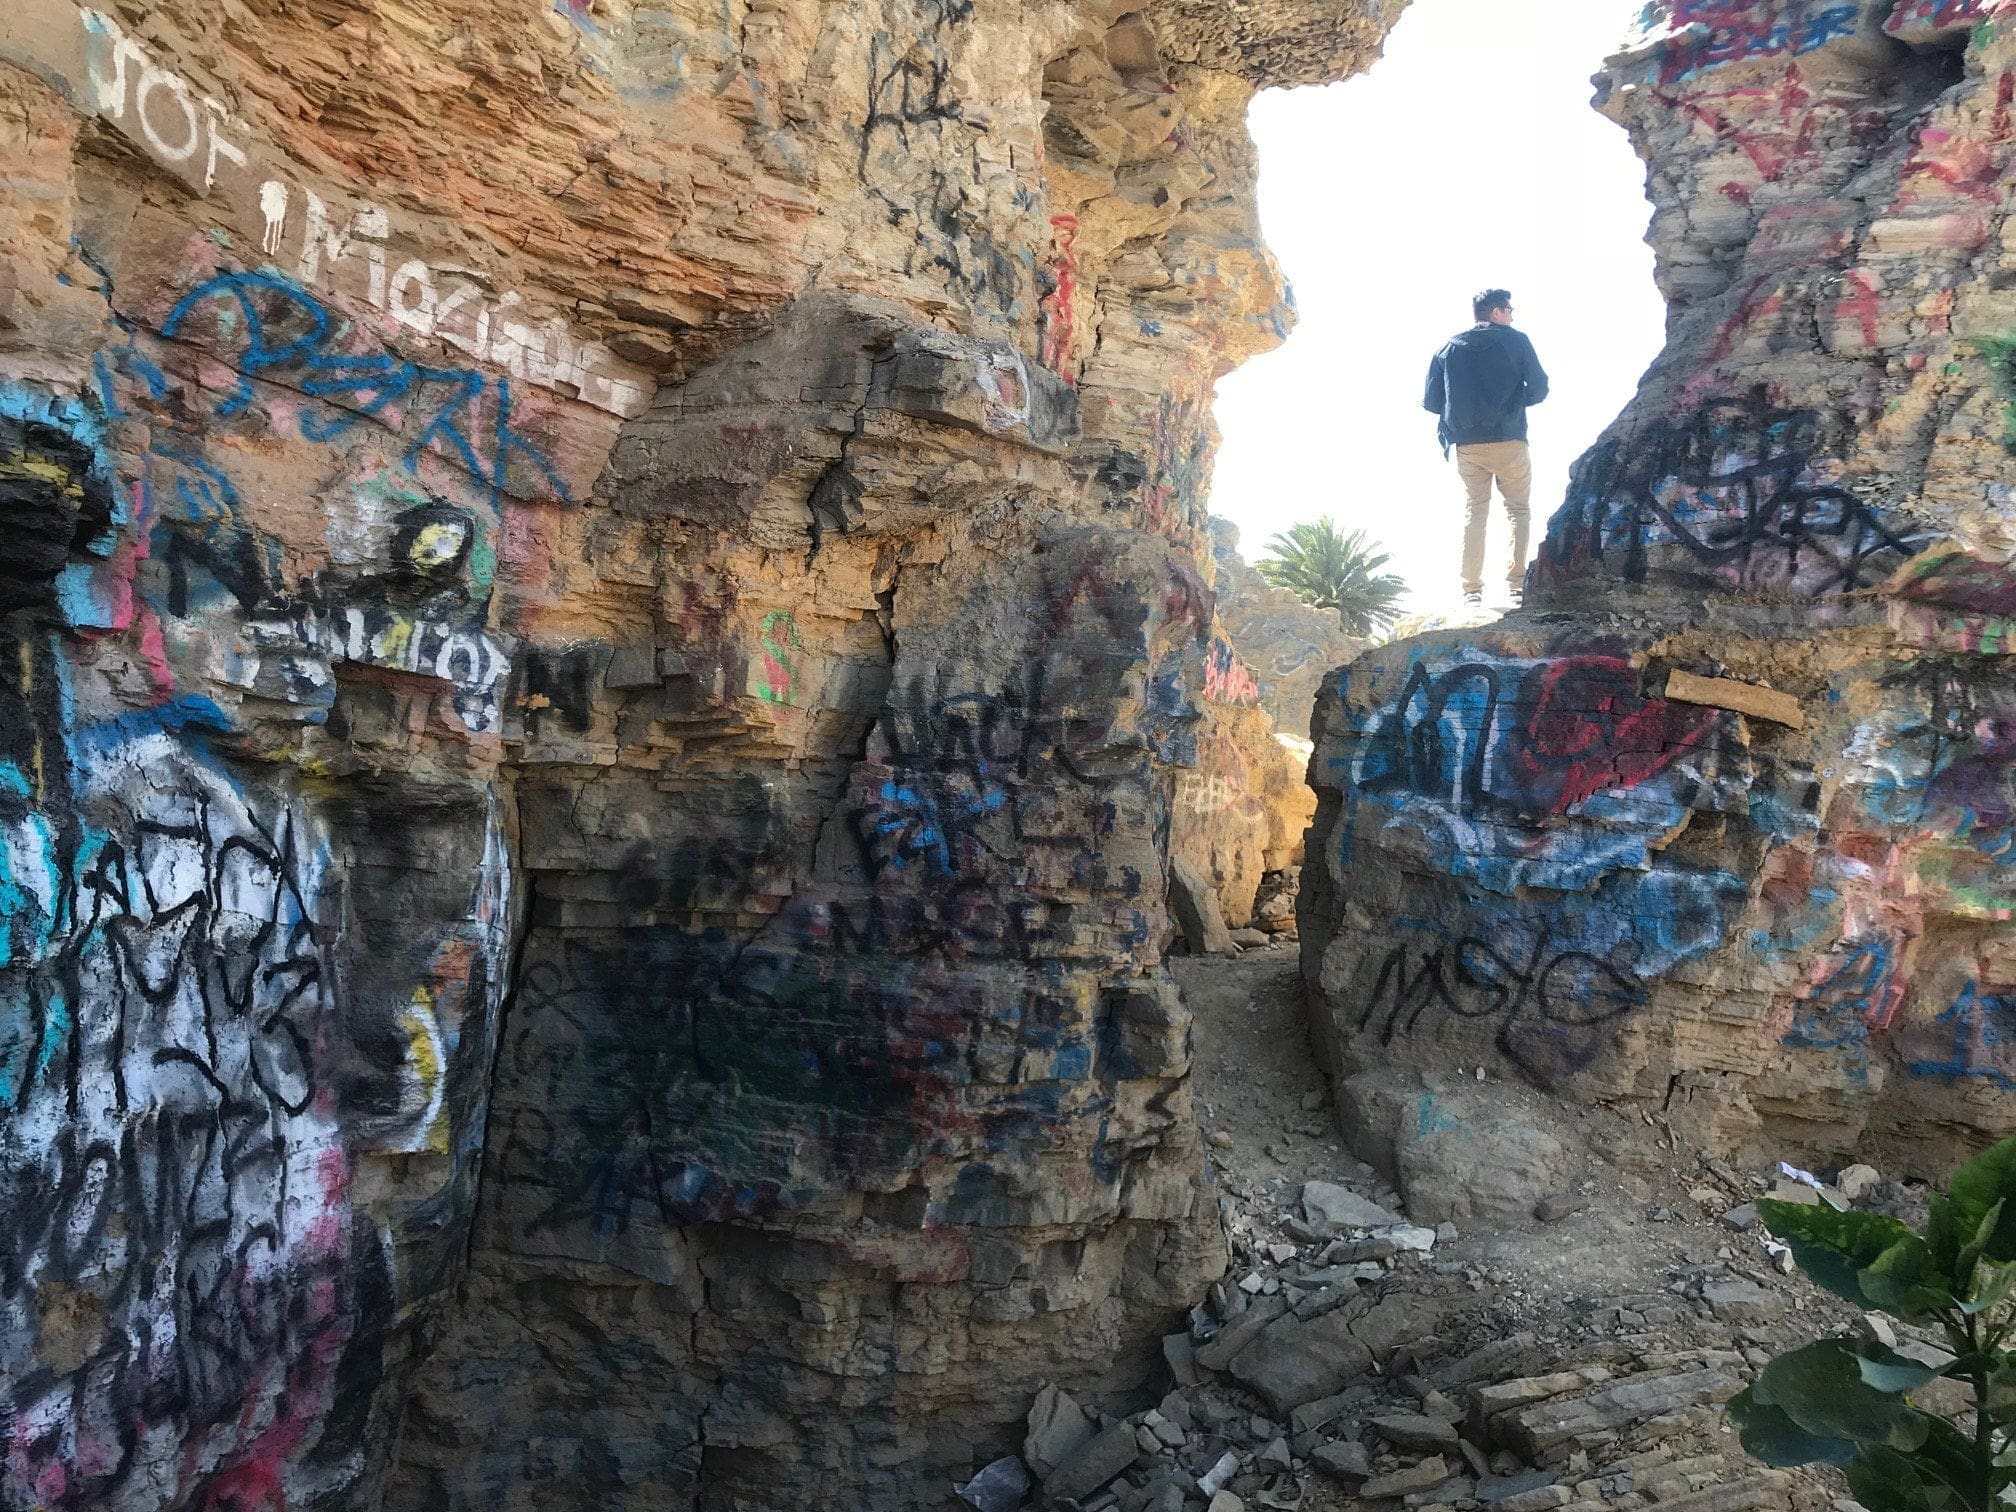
[1721, 825]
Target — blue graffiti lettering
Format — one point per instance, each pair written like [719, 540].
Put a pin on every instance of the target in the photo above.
[289, 333]
[1983, 1027]
[1841, 1010]
[916, 825]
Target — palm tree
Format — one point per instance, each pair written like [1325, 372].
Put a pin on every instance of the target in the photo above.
[1322, 566]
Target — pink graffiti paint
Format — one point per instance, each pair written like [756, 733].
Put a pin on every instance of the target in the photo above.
[1965, 165]
[1934, 15]
[1179, 465]
[256, 1480]
[1226, 678]
[1059, 305]
[1749, 309]
[779, 638]
[741, 443]
[580, 12]
[154, 653]
[1777, 126]
[1862, 305]
[1938, 318]
[125, 611]
[1955, 580]
[47, 1482]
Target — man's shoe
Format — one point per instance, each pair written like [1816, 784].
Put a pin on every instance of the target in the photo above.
[1516, 597]
[1474, 600]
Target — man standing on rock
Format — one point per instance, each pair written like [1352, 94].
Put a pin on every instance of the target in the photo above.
[1480, 385]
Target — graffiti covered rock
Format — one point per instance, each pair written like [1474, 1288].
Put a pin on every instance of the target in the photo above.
[1766, 898]
[609, 607]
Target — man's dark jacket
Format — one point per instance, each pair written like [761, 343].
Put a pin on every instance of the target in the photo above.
[1481, 383]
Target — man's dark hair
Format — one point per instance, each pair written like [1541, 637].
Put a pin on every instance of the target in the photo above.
[1489, 300]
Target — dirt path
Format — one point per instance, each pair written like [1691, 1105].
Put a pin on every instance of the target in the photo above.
[1637, 1309]
[1644, 1204]
[1258, 1087]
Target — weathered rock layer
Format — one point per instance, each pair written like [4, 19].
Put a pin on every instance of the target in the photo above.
[607, 602]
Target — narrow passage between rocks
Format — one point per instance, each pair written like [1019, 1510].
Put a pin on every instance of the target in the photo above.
[1449, 1292]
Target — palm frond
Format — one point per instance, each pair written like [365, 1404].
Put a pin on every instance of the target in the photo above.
[1328, 569]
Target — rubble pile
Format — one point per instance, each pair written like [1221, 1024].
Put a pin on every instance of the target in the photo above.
[1353, 1356]
[1571, 1348]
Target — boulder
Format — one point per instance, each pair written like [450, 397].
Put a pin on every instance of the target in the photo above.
[1058, 1429]
[1467, 1157]
[1292, 1362]
[1098, 1461]
[1194, 902]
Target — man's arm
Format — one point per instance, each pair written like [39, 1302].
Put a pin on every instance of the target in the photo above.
[1531, 371]
[1435, 400]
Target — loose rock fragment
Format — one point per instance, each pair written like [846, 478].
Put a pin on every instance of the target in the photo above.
[1425, 1476]
[1339, 1207]
[1058, 1429]
[1744, 1301]
[1001, 1487]
[1413, 1430]
[1346, 1463]
[1095, 1464]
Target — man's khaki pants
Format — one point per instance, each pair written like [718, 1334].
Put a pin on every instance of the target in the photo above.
[1511, 464]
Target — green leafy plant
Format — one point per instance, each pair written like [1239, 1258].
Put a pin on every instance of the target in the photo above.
[1328, 569]
[1848, 1402]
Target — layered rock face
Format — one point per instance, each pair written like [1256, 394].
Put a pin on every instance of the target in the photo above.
[605, 606]
[1722, 823]
[1289, 646]
[1243, 808]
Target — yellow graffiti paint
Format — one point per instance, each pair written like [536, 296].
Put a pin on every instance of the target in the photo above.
[391, 645]
[39, 777]
[434, 545]
[423, 1057]
[54, 473]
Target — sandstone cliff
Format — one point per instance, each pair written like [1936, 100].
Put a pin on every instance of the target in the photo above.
[1289, 646]
[608, 601]
[1243, 807]
[1722, 824]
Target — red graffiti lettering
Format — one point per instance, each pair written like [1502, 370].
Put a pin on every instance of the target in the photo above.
[1591, 731]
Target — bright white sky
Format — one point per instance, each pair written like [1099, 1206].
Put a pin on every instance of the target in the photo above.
[1467, 158]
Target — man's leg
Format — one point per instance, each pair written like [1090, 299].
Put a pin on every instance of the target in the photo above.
[1473, 466]
[1515, 482]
